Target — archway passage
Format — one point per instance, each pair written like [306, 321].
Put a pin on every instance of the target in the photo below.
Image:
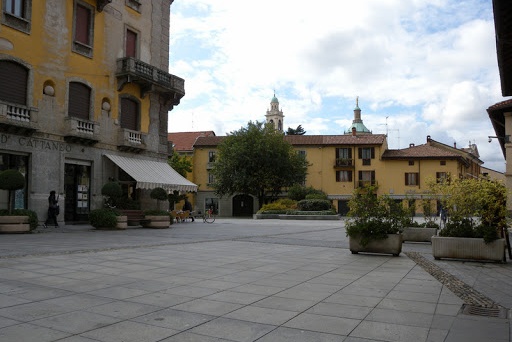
[243, 205]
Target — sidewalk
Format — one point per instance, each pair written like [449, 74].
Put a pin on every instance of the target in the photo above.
[234, 280]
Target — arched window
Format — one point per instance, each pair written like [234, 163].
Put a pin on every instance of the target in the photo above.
[129, 114]
[279, 126]
[79, 100]
[13, 82]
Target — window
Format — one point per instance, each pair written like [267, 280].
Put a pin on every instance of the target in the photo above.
[13, 82]
[343, 156]
[83, 29]
[302, 153]
[411, 178]
[17, 14]
[133, 4]
[442, 162]
[344, 176]
[79, 100]
[131, 44]
[441, 177]
[366, 178]
[411, 162]
[129, 114]
[211, 178]
[211, 157]
[366, 154]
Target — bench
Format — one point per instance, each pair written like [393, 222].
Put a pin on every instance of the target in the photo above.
[134, 216]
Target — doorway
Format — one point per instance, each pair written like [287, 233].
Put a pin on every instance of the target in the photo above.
[77, 185]
[243, 205]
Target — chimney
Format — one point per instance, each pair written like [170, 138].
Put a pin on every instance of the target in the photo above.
[354, 131]
[411, 145]
[428, 138]
[454, 144]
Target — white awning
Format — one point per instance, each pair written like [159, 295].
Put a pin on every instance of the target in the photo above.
[151, 174]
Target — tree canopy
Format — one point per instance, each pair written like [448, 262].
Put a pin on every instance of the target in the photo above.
[297, 131]
[256, 160]
[181, 164]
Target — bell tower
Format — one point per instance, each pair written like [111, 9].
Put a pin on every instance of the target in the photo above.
[274, 115]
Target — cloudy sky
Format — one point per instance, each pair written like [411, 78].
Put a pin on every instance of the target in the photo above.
[419, 67]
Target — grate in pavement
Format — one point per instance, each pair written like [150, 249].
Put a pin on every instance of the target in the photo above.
[474, 310]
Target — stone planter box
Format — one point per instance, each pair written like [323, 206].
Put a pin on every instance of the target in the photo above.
[122, 222]
[14, 224]
[419, 234]
[154, 221]
[391, 245]
[467, 248]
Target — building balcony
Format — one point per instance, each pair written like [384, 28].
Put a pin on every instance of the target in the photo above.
[150, 79]
[364, 184]
[18, 119]
[344, 163]
[131, 141]
[81, 131]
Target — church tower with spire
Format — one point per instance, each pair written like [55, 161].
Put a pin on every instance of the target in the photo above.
[275, 116]
[357, 126]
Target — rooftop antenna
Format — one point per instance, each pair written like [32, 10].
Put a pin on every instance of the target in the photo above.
[392, 129]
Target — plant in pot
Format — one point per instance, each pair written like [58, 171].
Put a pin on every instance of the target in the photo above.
[109, 217]
[157, 218]
[421, 232]
[476, 221]
[17, 220]
[375, 222]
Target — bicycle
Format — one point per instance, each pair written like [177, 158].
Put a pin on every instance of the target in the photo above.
[208, 216]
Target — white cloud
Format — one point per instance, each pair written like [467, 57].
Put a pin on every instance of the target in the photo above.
[430, 66]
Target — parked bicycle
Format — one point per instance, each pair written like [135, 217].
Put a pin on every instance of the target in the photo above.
[208, 216]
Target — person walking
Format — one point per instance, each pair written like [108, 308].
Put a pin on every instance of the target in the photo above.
[53, 210]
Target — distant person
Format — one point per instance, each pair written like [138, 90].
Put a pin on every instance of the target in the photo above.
[443, 217]
[188, 206]
[53, 210]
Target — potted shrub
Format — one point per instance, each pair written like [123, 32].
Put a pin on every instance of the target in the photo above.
[157, 218]
[109, 217]
[421, 232]
[476, 220]
[375, 223]
[17, 221]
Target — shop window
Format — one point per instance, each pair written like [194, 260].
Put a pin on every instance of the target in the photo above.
[83, 29]
[20, 163]
[17, 14]
[13, 82]
[213, 204]
[129, 114]
[79, 100]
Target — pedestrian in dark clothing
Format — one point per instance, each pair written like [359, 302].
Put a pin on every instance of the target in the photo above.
[188, 206]
[53, 210]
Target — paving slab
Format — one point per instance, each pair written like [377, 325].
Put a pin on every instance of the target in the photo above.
[235, 280]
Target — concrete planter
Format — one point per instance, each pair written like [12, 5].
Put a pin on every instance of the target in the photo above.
[14, 224]
[467, 248]
[122, 222]
[419, 234]
[391, 245]
[154, 221]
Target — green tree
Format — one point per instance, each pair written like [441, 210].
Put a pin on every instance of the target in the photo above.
[11, 180]
[297, 131]
[181, 164]
[256, 160]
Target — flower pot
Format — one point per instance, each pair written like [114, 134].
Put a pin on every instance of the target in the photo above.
[156, 221]
[122, 222]
[467, 248]
[418, 234]
[14, 224]
[391, 245]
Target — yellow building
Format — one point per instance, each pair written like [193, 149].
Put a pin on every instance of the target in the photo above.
[341, 163]
[84, 99]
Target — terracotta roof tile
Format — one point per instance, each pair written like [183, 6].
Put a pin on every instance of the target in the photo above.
[301, 140]
[184, 141]
[420, 151]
